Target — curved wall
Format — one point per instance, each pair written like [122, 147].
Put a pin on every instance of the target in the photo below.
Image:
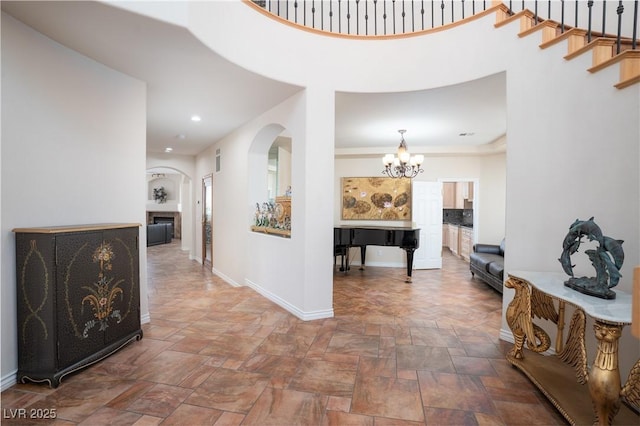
[344, 64]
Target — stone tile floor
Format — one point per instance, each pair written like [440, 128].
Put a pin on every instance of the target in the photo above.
[394, 354]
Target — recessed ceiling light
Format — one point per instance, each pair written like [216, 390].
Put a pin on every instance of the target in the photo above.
[181, 136]
[195, 118]
[168, 149]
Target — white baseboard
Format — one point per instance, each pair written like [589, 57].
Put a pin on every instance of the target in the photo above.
[305, 316]
[226, 278]
[506, 335]
[7, 381]
[145, 318]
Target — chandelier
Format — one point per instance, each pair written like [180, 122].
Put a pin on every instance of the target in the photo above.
[404, 165]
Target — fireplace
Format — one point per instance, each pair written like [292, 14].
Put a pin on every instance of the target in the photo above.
[173, 218]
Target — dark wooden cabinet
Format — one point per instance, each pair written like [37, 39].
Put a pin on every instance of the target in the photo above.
[78, 297]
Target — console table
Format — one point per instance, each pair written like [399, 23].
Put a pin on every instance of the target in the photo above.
[599, 402]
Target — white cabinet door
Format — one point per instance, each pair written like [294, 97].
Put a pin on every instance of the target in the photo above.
[427, 215]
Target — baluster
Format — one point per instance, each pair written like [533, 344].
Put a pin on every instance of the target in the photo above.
[635, 24]
[619, 10]
[463, 9]
[287, 4]
[339, 16]
[442, 12]
[590, 6]
[561, 16]
[375, 17]
[576, 22]
[393, 7]
[313, 13]
[295, 9]
[452, 18]
[366, 17]
[422, 13]
[348, 18]
[549, 9]
[384, 16]
[304, 12]
[535, 12]
[604, 16]
[413, 16]
[403, 15]
[433, 24]
[331, 16]
[358, 17]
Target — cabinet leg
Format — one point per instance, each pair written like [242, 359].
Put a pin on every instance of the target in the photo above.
[604, 377]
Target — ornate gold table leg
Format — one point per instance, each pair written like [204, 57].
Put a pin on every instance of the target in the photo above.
[604, 377]
[519, 318]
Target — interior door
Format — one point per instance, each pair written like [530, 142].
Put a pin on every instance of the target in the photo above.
[427, 214]
[207, 219]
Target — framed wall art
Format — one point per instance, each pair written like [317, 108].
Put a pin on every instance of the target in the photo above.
[376, 198]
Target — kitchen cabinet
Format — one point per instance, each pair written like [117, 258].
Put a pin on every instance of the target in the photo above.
[469, 192]
[463, 194]
[449, 195]
[457, 195]
[445, 235]
[78, 297]
[453, 238]
[466, 242]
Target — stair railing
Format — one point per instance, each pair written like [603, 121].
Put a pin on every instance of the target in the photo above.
[398, 17]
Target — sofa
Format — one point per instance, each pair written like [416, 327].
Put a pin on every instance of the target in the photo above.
[487, 262]
[159, 233]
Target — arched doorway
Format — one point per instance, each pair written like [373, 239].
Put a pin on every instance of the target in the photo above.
[176, 206]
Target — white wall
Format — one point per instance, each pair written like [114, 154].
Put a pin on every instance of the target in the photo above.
[292, 271]
[73, 136]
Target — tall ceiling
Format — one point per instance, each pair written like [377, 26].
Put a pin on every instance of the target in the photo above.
[185, 78]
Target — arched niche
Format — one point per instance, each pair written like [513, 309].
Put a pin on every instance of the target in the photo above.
[270, 183]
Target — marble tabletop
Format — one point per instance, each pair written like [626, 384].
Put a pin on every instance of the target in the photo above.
[617, 311]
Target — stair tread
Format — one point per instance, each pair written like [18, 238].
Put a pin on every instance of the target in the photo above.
[626, 54]
[565, 35]
[628, 82]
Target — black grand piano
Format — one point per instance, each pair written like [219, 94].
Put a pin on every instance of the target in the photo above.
[345, 237]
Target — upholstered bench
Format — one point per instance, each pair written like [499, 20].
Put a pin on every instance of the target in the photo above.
[487, 262]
